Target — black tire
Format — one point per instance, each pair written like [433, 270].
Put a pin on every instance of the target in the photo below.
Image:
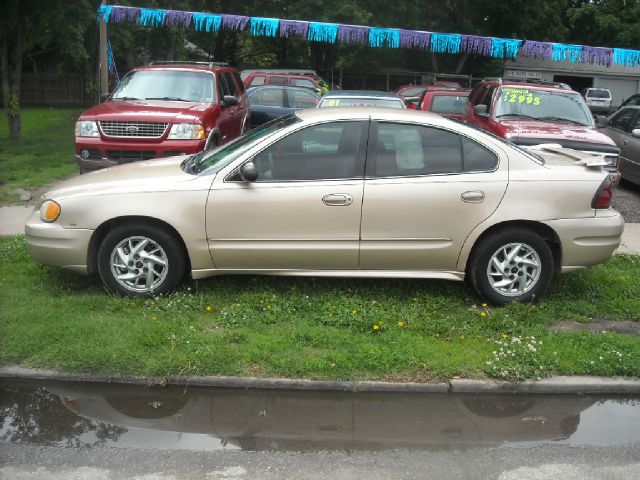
[170, 251]
[491, 244]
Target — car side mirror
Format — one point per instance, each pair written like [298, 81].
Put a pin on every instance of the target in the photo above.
[104, 97]
[636, 132]
[481, 110]
[229, 101]
[248, 172]
[602, 121]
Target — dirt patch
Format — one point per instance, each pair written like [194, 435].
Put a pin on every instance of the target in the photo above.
[631, 327]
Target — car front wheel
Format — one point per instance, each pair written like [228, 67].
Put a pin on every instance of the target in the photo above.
[140, 261]
[512, 265]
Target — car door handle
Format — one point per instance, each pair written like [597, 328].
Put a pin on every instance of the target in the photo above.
[337, 199]
[475, 196]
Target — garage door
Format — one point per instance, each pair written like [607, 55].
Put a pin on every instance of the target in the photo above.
[621, 88]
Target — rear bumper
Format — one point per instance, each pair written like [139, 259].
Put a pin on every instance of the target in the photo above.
[588, 241]
[50, 244]
[94, 153]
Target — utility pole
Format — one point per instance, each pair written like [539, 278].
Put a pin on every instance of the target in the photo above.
[104, 67]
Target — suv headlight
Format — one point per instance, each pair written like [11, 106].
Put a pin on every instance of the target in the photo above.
[87, 128]
[49, 211]
[186, 131]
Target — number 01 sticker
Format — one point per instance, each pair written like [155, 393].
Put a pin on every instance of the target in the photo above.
[520, 96]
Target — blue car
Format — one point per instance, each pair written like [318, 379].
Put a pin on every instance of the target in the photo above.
[271, 102]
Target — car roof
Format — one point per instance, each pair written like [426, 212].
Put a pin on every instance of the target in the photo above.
[361, 113]
[551, 87]
[362, 94]
[459, 92]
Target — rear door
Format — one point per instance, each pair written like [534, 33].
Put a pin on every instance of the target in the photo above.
[266, 104]
[620, 127]
[426, 189]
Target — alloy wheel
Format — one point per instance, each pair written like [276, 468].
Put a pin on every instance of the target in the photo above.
[139, 264]
[514, 269]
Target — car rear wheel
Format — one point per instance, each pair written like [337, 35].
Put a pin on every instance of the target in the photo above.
[140, 261]
[512, 265]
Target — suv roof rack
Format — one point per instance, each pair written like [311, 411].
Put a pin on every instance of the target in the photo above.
[187, 62]
[537, 81]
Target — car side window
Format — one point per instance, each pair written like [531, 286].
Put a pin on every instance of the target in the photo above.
[476, 93]
[257, 81]
[267, 97]
[231, 85]
[277, 80]
[319, 152]
[635, 123]
[301, 99]
[412, 150]
[238, 80]
[302, 82]
[622, 120]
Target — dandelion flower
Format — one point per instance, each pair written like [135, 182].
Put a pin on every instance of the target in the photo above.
[461, 337]
[483, 314]
[376, 327]
[401, 324]
[484, 305]
[154, 318]
[209, 308]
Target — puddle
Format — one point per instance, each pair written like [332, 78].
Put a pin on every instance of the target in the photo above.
[207, 419]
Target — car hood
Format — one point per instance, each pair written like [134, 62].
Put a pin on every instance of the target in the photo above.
[139, 177]
[146, 110]
[519, 130]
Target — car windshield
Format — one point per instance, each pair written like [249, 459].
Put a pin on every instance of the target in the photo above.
[173, 85]
[360, 102]
[212, 161]
[598, 93]
[449, 103]
[542, 105]
[412, 91]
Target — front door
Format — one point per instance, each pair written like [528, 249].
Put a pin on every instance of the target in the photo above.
[426, 189]
[302, 212]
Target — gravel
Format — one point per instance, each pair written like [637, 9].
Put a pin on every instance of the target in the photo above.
[626, 199]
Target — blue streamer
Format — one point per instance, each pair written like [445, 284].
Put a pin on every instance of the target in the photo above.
[264, 27]
[629, 58]
[152, 18]
[380, 37]
[322, 32]
[504, 47]
[104, 12]
[562, 53]
[208, 22]
[445, 43]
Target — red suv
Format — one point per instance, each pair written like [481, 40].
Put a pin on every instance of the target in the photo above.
[448, 103]
[162, 110]
[530, 113]
[284, 77]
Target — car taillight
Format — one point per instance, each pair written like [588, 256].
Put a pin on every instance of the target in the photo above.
[604, 194]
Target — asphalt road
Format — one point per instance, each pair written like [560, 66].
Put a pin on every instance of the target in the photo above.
[626, 199]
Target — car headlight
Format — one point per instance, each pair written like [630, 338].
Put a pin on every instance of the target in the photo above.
[186, 131]
[49, 211]
[87, 128]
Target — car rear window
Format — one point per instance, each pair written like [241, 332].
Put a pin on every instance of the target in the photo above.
[449, 103]
[599, 93]
[412, 92]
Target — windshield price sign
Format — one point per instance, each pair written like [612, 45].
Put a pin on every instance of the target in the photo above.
[520, 95]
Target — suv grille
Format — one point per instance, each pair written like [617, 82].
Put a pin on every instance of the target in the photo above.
[127, 156]
[114, 128]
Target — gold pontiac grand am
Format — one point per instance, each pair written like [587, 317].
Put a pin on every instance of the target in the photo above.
[349, 192]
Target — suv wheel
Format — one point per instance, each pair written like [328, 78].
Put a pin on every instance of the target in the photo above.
[513, 265]
[140, 261]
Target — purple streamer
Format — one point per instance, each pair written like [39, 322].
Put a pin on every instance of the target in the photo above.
[234, 22]
[293, 28]
[414, 39]
[353, 34]
[541, 50]
[476, 45]
[176, 18]
[122, 14]
[599, 55]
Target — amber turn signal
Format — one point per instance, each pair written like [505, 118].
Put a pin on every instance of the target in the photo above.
[49, 211]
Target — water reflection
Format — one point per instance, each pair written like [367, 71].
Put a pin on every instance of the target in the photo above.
[210, 419]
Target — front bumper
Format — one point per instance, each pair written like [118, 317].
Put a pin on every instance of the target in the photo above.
[588, 241]
[101, 153]
[51, 244]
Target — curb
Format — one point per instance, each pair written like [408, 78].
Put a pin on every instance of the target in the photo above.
[553, 385]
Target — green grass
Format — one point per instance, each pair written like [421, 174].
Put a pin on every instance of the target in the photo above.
[313, 328]
[43, 155]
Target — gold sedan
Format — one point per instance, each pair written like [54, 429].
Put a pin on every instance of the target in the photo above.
[352, 192]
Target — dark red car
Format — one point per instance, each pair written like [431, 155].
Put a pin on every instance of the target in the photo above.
[285, 77]
[162, 110]
[448, 103]
[412, 93]
[531, 113]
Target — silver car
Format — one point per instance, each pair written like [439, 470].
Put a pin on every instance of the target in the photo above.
[624, 129]
[343, 192]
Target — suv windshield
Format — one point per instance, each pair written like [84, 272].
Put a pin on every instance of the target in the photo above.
[216, 159]
[176, 85]
[542, 105]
